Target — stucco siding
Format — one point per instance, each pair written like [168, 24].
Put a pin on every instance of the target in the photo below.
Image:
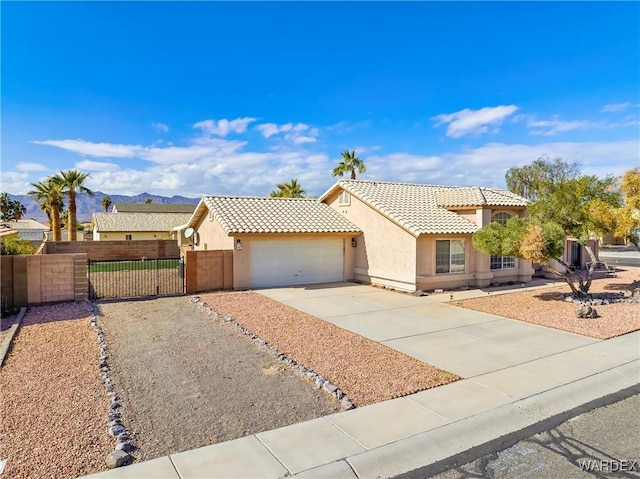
[135, 235]
[385, 253]
[212, 236]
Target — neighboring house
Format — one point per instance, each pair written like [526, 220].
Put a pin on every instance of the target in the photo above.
[419, 236]
[275, 241]
[412, 236]
[140, 221]
[152, 208]
[30, 230]
[135, 226]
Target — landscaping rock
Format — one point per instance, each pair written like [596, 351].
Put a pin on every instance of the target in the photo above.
[346, 404]
[116, 430]
[124, 446]
[330, 388]
[117, 458]
[586, 311]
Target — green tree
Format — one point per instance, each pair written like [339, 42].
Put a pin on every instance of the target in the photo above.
[11, 209]
[293, 189]
[530, 181]
[14, 245]
[567, 204]
[148, 201]
[350, 164]
[5, 205]
[106, 203]
[18, 210]
[48, 194]
[71, 183]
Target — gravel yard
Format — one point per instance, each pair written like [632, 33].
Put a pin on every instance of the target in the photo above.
[366, 371]
[188, 380]
[53, 405]
[543, 307]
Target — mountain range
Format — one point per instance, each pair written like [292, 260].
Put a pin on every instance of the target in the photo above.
[87, 205]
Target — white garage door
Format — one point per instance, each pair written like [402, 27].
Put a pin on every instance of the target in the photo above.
[289, 262]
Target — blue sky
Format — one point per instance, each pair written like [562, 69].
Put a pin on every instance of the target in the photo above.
[235, 97]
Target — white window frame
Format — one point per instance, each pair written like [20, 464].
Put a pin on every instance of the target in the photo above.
[452, 268]
[502, 262]
[344, 198]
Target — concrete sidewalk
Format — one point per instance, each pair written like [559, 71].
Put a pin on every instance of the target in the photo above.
[517, 375]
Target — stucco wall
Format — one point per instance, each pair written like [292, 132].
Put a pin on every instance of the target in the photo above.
[135, 235]
[386, 253]
[212, 236]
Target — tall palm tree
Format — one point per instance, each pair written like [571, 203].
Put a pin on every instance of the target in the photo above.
[350, 164]
[106, 203]
[18, 210]
[293, 189]
[71, 183]
[5, 205]
[50, 197]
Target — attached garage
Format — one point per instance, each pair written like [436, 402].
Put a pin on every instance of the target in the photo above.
[277, 241]
[284, 262]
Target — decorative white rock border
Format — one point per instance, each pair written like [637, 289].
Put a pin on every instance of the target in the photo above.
[6, 343]
[124, 439]
[299, 369]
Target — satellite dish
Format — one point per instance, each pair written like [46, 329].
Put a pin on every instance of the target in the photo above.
[188, 233]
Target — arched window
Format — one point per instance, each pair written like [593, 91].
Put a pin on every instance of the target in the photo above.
[502, 262]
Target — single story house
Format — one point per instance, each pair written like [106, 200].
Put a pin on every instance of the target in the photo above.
[399, 235]
[153, 208]
[30, 230]
[275, 241]
[417, 236]
[135, 226]
[140, 221]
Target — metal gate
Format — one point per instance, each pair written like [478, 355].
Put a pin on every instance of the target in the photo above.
[135, 278]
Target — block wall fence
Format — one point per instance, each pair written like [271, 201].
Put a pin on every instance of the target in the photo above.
[105, 250]
[208, 270]
[34, 280]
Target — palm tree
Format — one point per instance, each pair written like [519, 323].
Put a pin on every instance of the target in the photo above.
[293, 189]
[349, 164]
[18, 210]
[106, 203]
[71, 183]
[49, 195]
[5, 205]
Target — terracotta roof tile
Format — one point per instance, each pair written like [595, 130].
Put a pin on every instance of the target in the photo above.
[422, 209]
[276, 215]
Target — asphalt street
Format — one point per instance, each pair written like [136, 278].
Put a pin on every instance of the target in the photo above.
[620, 256]
[602, 443]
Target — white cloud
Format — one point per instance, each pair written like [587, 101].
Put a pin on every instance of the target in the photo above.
[611, 107]
[16, 183]
[468, 121]
[96, 165]
[224, 127]
[160, 127]
[31, 167]
[298, 133]
[97, 150]
[555, 126]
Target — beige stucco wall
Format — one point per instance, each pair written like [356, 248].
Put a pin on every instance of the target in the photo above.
[386, 253]
[211, 235]
[241, 263]
[135, 235]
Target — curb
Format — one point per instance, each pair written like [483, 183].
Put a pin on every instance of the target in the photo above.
[6, 344]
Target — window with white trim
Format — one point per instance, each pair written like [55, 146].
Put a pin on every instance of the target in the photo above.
[449, 256]
[502, 262]
[344, 199]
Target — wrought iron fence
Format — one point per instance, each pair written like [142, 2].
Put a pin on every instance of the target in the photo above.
[135, 278]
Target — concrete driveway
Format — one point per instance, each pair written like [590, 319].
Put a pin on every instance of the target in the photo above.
[510, 356]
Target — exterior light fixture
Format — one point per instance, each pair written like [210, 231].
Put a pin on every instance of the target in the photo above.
[238, 244]
[354, 243]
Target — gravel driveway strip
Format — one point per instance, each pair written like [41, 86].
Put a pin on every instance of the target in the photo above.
[188, 380]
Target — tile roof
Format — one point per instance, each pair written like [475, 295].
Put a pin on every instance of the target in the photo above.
[139, 221]
[153, 208]
[422, 209]
[275, 215]
[20, 225]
